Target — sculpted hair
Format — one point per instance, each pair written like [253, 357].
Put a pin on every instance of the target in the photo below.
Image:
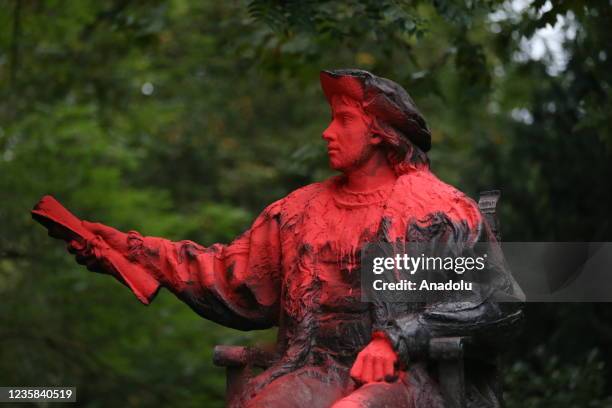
[403, 155]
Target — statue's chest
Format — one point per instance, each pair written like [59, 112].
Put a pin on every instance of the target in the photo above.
[323, 247]
[335, 233]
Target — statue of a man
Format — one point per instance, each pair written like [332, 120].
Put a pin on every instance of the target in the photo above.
[297, 267]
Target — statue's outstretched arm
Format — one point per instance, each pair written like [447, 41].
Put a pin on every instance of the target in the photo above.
[237, 285]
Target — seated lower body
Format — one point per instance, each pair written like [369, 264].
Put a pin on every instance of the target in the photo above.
[324, 387]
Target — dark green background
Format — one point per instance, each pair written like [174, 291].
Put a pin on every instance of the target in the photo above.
[232, 120]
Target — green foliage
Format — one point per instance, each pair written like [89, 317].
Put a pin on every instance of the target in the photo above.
[541, 380]
[184, 119]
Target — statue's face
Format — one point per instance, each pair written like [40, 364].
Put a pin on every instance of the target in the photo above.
[348, 136]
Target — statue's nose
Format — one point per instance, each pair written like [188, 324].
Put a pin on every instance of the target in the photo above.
[327, 135]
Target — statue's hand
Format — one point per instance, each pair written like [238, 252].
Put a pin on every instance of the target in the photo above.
[85, 251]
[376, 362]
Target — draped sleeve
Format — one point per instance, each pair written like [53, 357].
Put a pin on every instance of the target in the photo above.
[236, 285]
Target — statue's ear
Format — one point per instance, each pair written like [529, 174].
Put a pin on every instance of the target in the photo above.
[376, 138]
[376, 134]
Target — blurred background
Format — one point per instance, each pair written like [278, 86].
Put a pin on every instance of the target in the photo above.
[185, 118]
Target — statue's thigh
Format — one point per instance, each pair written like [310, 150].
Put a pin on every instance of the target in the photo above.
[380, 394]
[305, 388]
[414, 389]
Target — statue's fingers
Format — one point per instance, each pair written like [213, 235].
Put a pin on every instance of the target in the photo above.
[367, 370]
[88, 261]
[81, 259]
[378, 369]
[71, 248]
[94, 266]
[389, 369]
[113, 237]
[102, 230]
[75, 246]
[357, 368]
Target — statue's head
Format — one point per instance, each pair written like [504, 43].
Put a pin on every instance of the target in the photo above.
[369, 113]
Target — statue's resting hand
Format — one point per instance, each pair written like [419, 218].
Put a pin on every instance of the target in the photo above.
[86, 251]
[376, 362]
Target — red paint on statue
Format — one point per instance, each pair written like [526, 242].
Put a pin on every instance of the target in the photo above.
[297, 266]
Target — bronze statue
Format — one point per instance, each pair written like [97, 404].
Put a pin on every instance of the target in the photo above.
[297, 267]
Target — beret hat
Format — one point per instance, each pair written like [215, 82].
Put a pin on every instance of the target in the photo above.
[382, 98]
